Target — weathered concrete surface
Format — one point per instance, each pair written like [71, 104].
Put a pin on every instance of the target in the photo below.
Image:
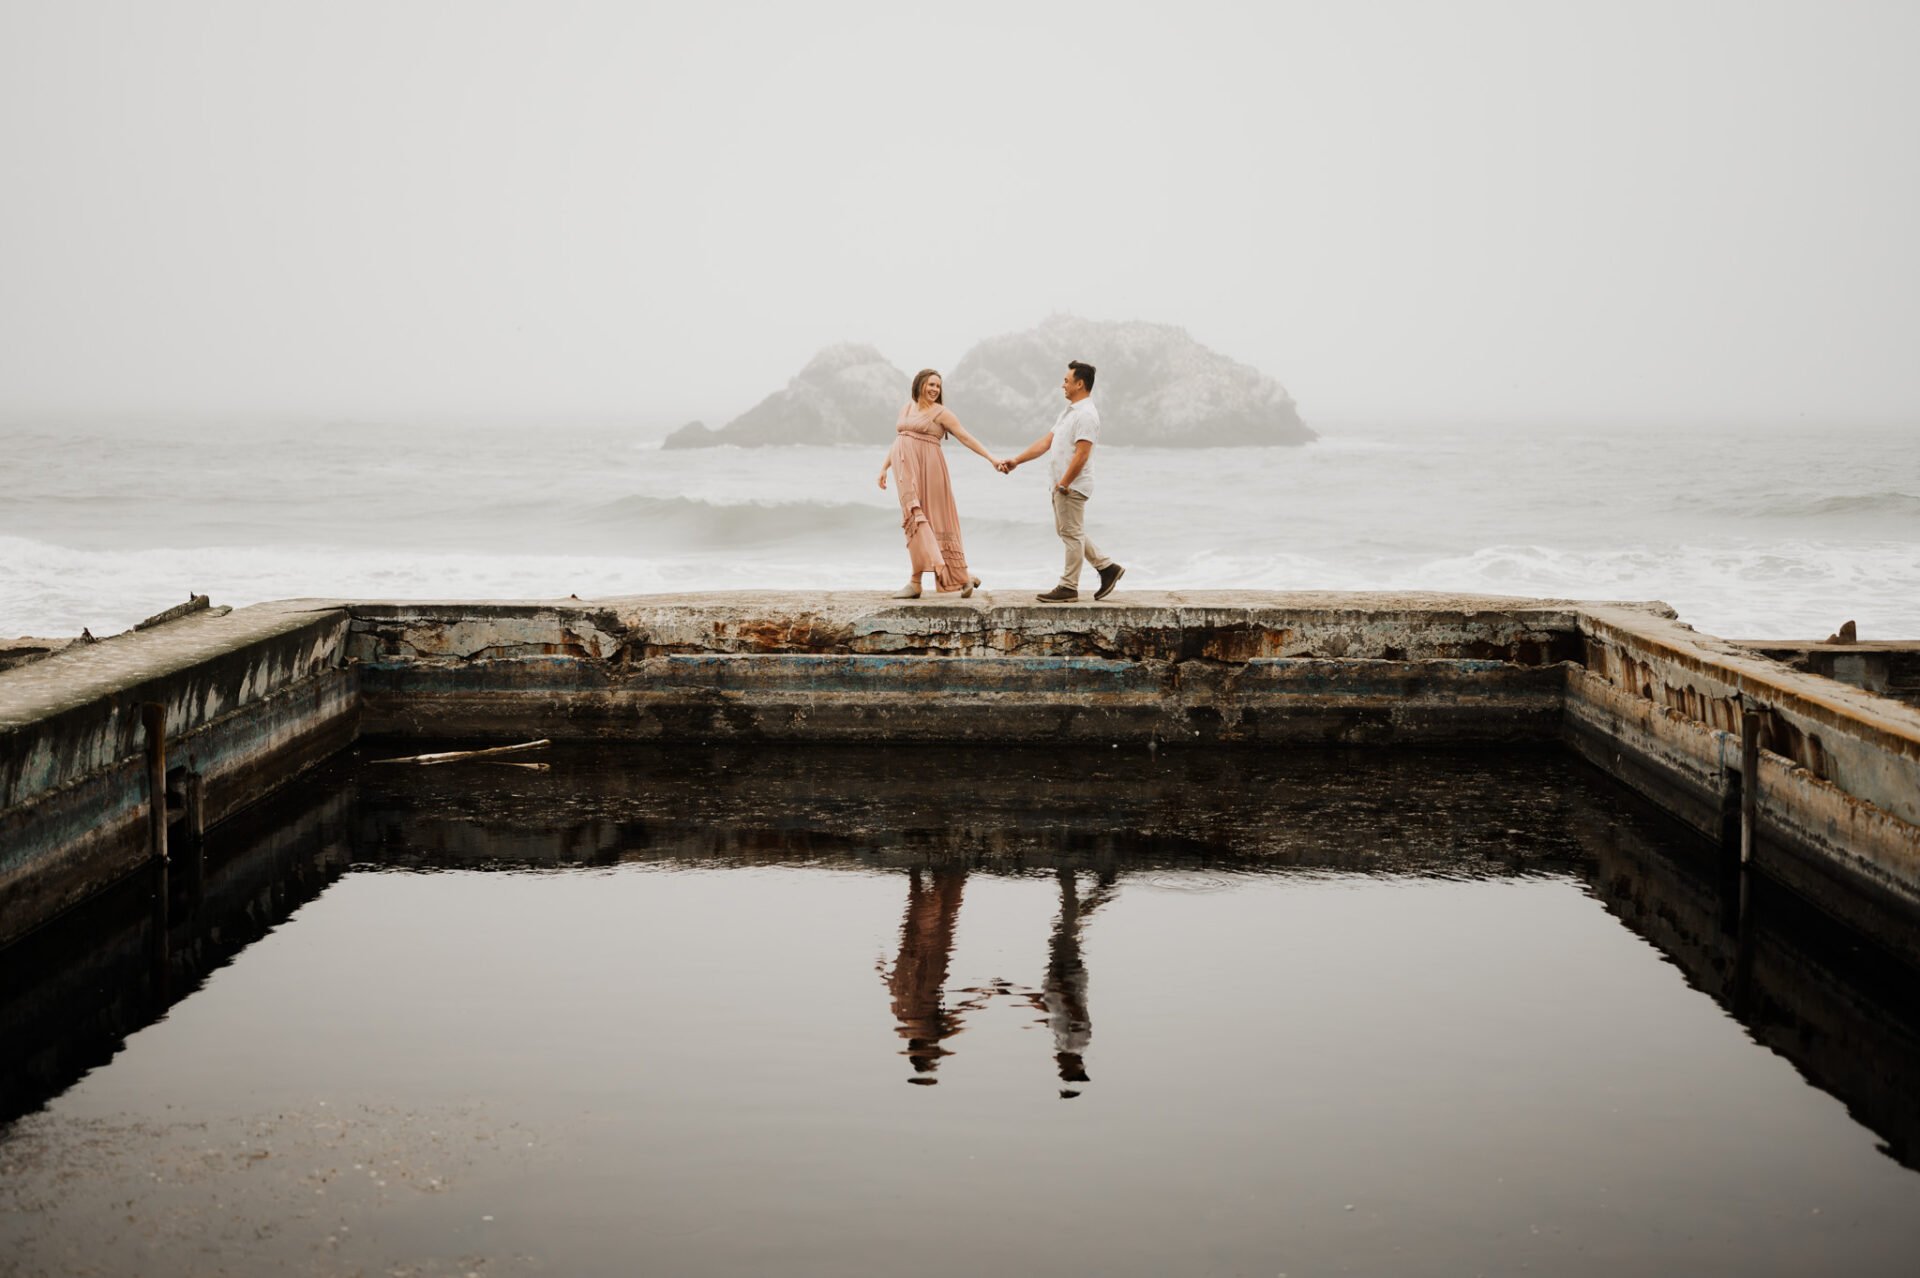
[258, 694]
[1635, 691]
[26, 650]
[1661, 706]
[1890, 669]
[1204, 667]
[250, 699]
[1173, 626]
[804, 697]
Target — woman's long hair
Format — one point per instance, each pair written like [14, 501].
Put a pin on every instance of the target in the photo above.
[920, 379]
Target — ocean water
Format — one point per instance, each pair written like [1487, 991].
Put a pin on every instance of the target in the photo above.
[1777, 533]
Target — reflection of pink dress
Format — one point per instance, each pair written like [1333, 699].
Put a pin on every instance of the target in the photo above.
[927, 512]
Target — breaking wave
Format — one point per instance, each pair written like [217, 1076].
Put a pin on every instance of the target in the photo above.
[690, 522]
[1887, 504]
[1781, 543]
[1881, 503]
[1783, 589]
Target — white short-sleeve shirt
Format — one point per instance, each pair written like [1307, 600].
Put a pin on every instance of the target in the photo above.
[1078, 421]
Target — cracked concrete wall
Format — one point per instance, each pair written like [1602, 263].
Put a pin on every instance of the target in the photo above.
[1887, 668]
[258, 694]
[250, 699]
[1222, 626]
[1336, 668]
[1661, 706]
[1628, 686]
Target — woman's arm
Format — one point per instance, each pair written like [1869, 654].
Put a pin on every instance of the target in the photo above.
[959, 432]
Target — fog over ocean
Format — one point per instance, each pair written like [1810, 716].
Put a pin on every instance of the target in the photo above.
[1748, 533]
[1536, 222]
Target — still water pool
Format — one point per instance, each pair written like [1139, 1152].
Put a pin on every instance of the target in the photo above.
[929, 1012]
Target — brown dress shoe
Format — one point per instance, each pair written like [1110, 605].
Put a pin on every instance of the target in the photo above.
[1059, 594]
[1109, 578]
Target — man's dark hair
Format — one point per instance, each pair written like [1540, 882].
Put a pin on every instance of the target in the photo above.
[1084, 371]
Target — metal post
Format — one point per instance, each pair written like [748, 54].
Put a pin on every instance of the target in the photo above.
[1750, 720]
[1731, 809]
[154, 716]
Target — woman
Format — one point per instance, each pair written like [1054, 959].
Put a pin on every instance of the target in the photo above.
[927, 511]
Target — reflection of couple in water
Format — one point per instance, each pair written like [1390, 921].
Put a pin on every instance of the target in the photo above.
[919, 976]
[927, 510]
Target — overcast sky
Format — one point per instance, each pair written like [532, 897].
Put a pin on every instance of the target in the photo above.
[1563, 211]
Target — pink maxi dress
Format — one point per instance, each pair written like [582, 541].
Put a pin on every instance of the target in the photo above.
[927, 512]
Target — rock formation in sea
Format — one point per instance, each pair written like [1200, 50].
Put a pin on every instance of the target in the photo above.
[846, 394]
[1156, 385]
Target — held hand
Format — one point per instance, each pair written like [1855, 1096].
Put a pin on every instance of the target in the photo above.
[1006, 467]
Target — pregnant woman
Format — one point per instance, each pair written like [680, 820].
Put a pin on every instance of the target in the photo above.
[927, 512]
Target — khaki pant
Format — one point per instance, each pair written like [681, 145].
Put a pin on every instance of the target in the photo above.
[1069, 515]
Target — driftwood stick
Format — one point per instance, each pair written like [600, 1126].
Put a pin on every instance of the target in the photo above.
[450, 756]
[509, 763]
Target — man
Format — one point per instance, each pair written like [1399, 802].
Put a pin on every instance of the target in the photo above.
[1069, 449]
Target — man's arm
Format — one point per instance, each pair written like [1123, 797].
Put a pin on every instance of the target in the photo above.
[1081, 451]
[1037, 448]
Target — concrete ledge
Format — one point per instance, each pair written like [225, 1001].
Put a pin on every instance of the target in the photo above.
[1625, 685]
[250, 699]
[1888, 669]
[1173, 626]
[1178, 666]
[1867, 745]
[799, 697]
[254, 696]
[1837, 809]
[200, 667]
